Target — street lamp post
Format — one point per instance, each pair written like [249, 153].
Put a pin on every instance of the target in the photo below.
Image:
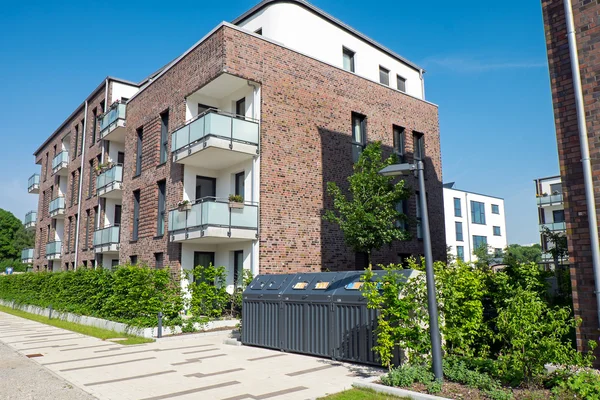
[434, 329]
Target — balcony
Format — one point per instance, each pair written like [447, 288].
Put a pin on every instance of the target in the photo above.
[30, 220]
[106, 240]
[112, 123]
[109, 184]
[60, 163]
[213, 221]
[215, 140]
[57, 208]
[33, 184]
[552, 200]
[555, 226]
[27, 256]
[54, 250]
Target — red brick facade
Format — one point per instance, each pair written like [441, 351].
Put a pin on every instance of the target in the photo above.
[571, 171]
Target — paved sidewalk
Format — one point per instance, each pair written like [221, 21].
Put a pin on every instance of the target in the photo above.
[186, 368]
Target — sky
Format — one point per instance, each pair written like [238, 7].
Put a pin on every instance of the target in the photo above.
[486, 70]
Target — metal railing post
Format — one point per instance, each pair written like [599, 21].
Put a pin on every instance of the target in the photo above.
[160, 321]
[50, 311]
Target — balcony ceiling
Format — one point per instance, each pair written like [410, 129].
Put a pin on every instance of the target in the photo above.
[223, 86]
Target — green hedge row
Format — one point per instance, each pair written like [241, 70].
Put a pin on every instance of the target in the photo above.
[130, 294]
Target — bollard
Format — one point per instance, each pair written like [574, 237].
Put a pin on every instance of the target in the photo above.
[159, 333]
[50, 311]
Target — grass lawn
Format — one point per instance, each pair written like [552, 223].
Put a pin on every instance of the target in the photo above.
[362, 394]
[84, 329]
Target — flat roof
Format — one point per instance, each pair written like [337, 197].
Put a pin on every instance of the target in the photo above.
[478, 194]
[331, 19]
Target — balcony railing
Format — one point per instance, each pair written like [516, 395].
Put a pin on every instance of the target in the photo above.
[33, 183]
[218, 124]
[109, 179]
[27, 256]
[107, 237]
[30, 219]
[60, 161]
[113, 118]
[213, 212]
[548, 200]
[56, 206]
[555, 226]
[53, 249]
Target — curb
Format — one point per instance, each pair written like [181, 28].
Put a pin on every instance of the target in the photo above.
[369, 383]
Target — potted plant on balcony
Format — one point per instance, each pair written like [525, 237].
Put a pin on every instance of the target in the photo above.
[236, 201]
[184, 205]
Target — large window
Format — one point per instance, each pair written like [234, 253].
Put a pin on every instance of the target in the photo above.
[136, 215]
[399, 143]
[497, 231]
[558, 216]
[457, 208]
[384, 76]
[138, 152]
[459, 231]
[460, 253]
[401, 83]
[348, 59]
[477, 212]
[238, 268]
[479, 241]
[164, 136]
[495, 209]
[418, 146]
[359, 135]
[162, 201]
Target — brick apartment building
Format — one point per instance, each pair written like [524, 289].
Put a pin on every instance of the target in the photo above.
[585, 17]
[254, 109]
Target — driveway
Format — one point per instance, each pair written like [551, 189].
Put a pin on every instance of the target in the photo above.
[193, 367]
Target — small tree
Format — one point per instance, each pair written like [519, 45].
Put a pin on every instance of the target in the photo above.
[368, 217]
[559, 249]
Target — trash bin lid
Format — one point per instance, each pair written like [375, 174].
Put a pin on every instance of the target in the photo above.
[317, 286]
[267, 286]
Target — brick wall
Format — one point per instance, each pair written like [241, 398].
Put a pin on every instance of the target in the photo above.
[586, 24]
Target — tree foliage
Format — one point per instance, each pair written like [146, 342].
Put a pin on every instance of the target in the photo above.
[367, 216]
[517, 254]
[13, 236]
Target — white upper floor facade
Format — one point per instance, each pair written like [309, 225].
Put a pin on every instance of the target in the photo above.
[473, 220]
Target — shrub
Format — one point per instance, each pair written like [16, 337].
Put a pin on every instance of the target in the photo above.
[582, 384]
[406, 375]
[209, 294]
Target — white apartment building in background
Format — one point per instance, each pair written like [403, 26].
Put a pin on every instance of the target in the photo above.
[473, 220]
[551, 212]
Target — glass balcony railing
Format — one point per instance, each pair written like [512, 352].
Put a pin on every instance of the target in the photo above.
[218, 124]
[33, 181]
[210, 211]
[109, 177]
[30, 217]
[552, 199]
[555, 226]
[116, 113]
[61, 158]
[27, 254]
[56, 205]
[53, 248]
[107, 236]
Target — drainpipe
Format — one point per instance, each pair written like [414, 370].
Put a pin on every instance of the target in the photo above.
[83, 146]
[422, 83]
[585, 152]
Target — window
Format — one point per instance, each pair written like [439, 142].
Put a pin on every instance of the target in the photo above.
[133, 260]
[402, 208]
[459, 231]
[457, 208]
[102, 104]
[76, 142]
[160, 223]
[203, 259]
[399, 143]
[238, 268]
[359, 135]
[460, 253]
[94, 120]
[240, 107]
[46, 168]
[477, 212]
[138, 152]
[91, 179]
[384, 76]
[97, 217]
[203, 108]
[93, 264]
[164, 136]
[418, 146]
[497, 253]
[240, 184]
[69, 223]
[558, 216]
[479, 241]
[497, 231]
[82, 137]
[115, 262]
[158, 260]
[205, 187]
[556, 188]
[348, 59]
[419, 218]
[258, 31]
[136, 215]
[495, 209]
[401, 83]
[87, 229]
[72, 199]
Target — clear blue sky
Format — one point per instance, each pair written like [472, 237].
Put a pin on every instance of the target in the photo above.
[486, 69]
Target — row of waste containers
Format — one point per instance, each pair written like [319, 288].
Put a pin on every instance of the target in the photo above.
[321, 314]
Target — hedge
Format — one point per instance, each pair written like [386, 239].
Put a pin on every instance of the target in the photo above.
[130, 294]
